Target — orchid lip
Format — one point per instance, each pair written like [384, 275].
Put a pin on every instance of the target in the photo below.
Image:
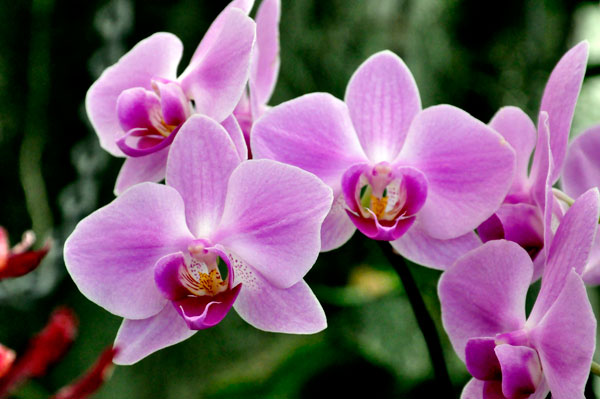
[140, 152]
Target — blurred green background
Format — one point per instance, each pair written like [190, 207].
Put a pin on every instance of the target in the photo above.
[473, 54]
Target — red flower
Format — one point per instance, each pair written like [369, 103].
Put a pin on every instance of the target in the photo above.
[46, 348]
[19, 260]
[92, 380]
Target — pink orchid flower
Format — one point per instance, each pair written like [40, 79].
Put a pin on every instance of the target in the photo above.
[174, 258]
[139, 104]
[582, 172]
[264, 67]
[522, 216]
[483, 310]
[423, 179]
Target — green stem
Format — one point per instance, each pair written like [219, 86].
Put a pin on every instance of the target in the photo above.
[595, 369]
[424, 320]
[38, 96]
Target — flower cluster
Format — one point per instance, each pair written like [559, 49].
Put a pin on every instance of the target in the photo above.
[445, 190]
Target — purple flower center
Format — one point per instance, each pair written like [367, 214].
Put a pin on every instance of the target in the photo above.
[383, 200]
[203, 276]
[198, 284]
[151, 118]
[380, 194]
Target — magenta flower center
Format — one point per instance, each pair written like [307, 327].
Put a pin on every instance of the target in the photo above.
[380, 194]
[203, 275]
[198, 284]
[151, 118]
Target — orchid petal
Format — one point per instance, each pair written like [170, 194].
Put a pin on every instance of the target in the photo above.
[591, 273]
[216, 79]
[337, 227]
[383, 99]
[137, 339]
[559, 99]
[213, 32]
[293, 310]
[582, 163]
[542, 164]
[483, 293]
[521, 223]
[540, 179]
[268, 206]
[473, 390]
[167, 276]
[565, 339]
[149, 168]
[419, 247]
[518, 129]
[477, 389]
[313, 132]
[469, 169]
[569, 250]
[200, 162]
[111, 253]
[263, 73]
[237, 136]
[244, 118]
[244, 5]
[155, 56]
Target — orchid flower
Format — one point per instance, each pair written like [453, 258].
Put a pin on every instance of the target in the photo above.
[521, 218]
[138, 105]
[19, 260]
[582, 172]
[172, 259]
[264, 67]
[483, 311]
[423, 179]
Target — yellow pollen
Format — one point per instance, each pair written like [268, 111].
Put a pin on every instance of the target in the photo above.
[164, 129]
[378, 205]
[209, 284]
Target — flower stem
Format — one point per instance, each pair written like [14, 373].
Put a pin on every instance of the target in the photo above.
[424, 320]
[563, 197]
[595, 369]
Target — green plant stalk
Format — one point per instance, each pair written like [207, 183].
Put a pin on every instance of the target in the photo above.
[424, 320]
